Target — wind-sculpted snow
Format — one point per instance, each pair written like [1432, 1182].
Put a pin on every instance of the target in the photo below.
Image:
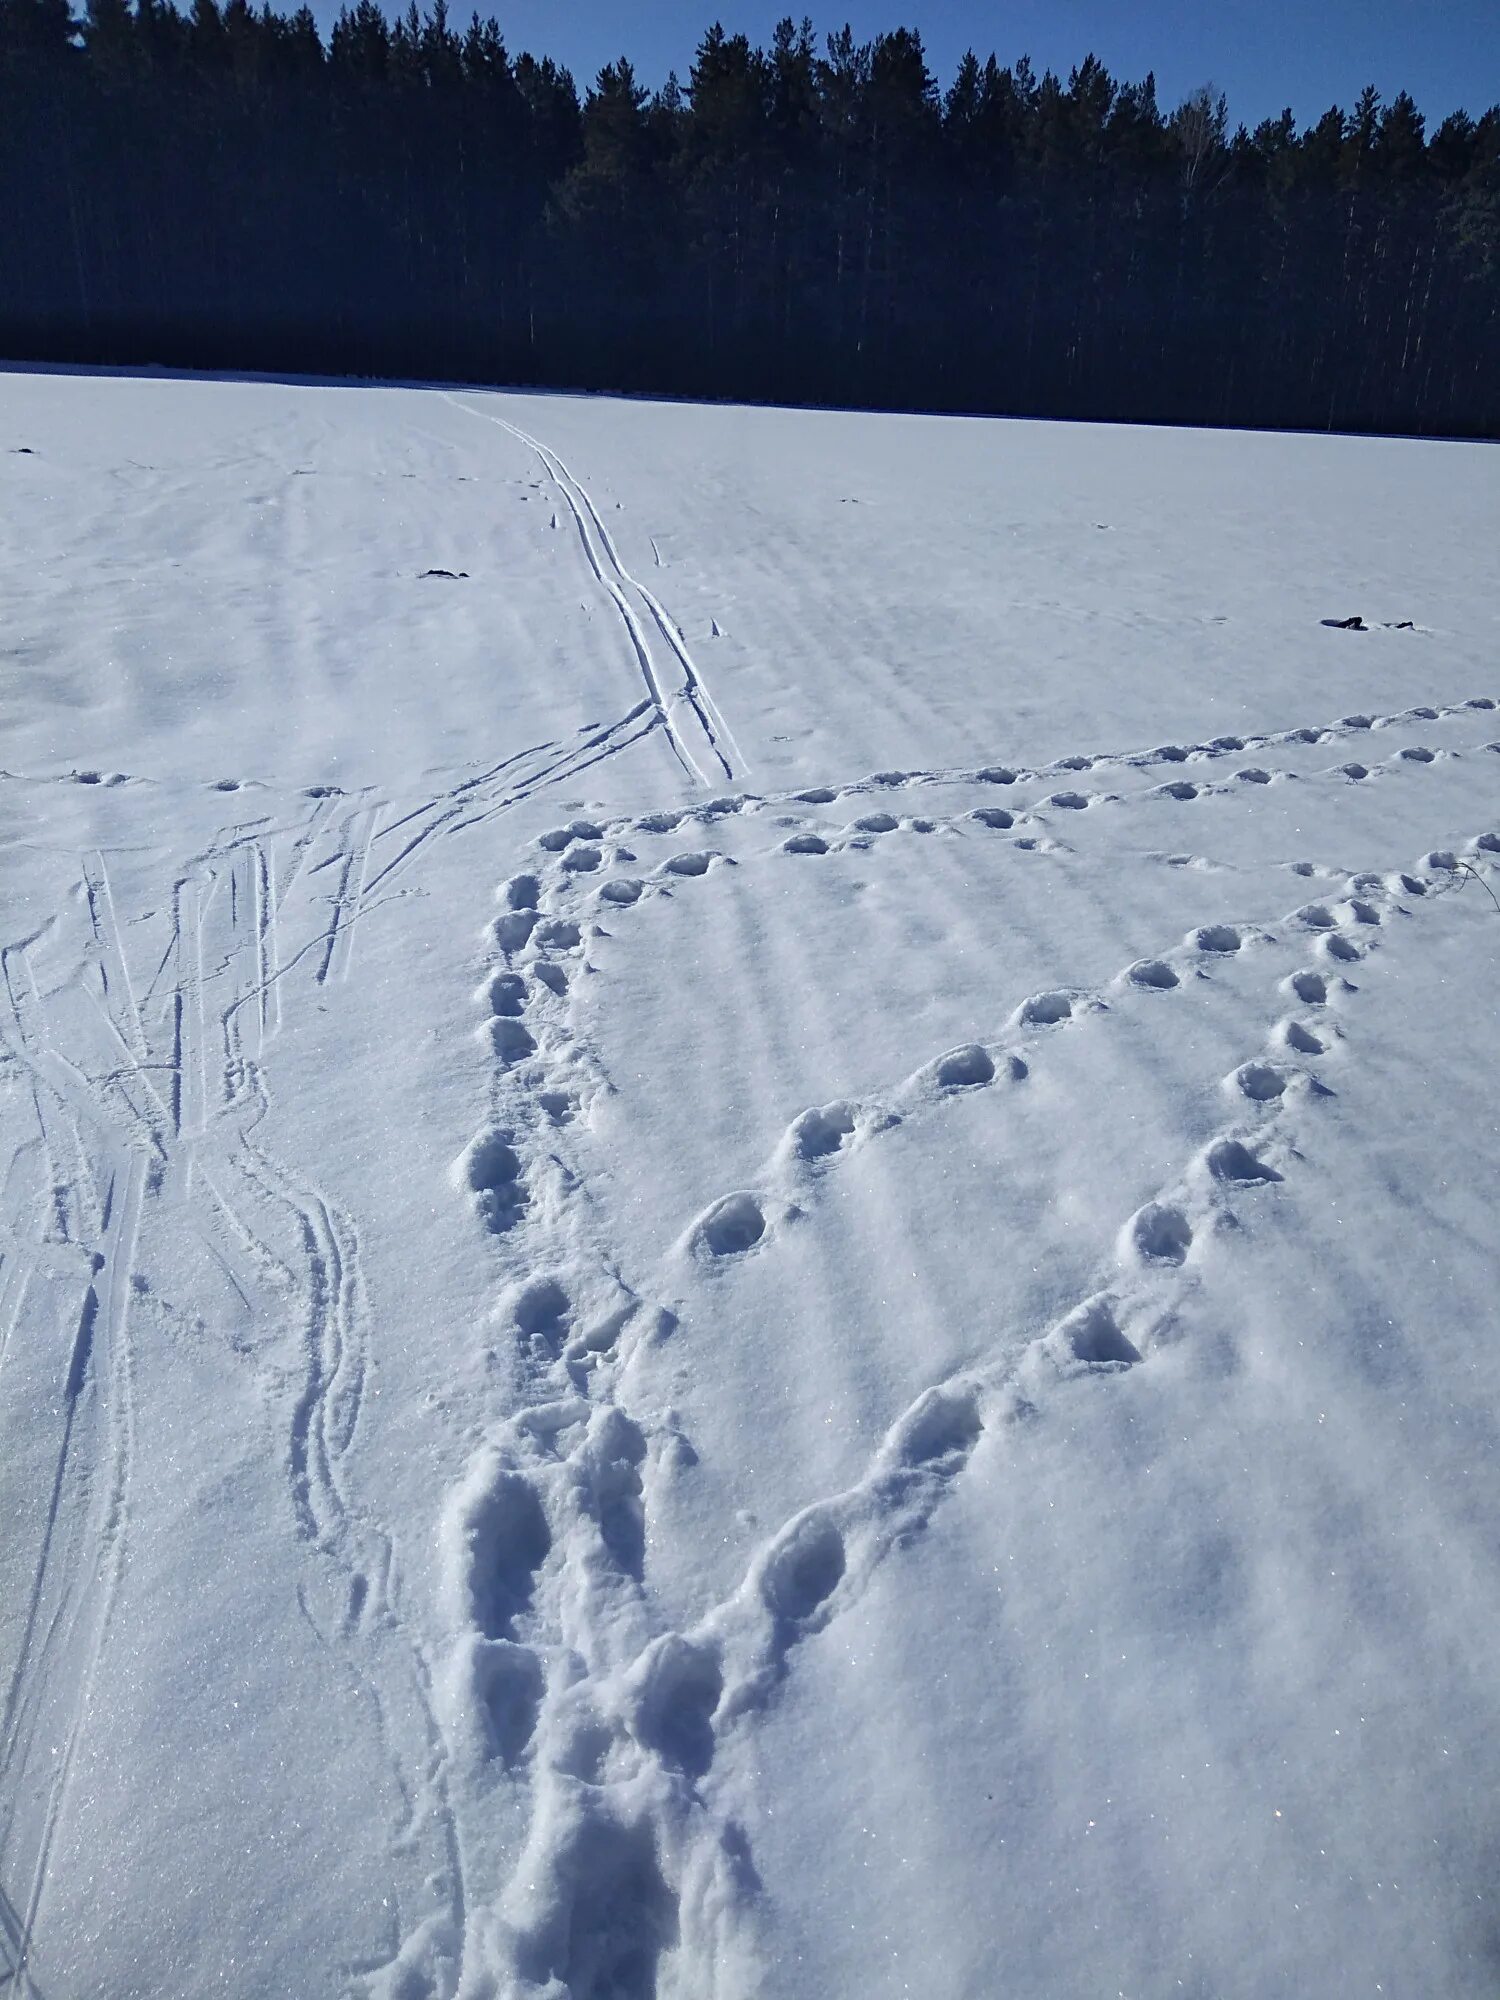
[615, 1384]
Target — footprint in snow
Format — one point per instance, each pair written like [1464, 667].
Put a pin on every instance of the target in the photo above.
[677, 1689]
[513, 930]
[995, 816]
[939, 1430]
[506, 1541]
[1153, 973]
[1222, 938]
[1092, 1334]
[1302, 1040]
[820, 1131]
[692, 863]
[1232, 1160]
[541, 1310]
[554, 841]
[803, 1568]
[623, 890]
[1043, 1010]
[504, 993]
[1259, 1081]
[731, 1227]
[1158, 1234]
[964, 1068]
[489, 1169]
[510, 1040]
[507, 1685]
[805, 843]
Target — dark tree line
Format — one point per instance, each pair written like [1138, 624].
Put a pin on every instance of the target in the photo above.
[221, 189]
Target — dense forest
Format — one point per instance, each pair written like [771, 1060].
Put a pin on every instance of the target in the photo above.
[812, 222]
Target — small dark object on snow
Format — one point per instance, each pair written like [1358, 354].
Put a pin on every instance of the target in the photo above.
[1354, 624]
[23, 451]
[452, 575]
[1400, 625]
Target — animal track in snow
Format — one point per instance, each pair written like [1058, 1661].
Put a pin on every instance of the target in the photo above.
[622, 890]
[805, 843]
[732, 1226]
[1302, 1040]
[962, 1069]
[1232, 1160]
[803, 1567]
[1259, 1080]
[1154, 973]
[1159, 1234]
[823, 1130]
[504, 1539]
[561, 837]
[677, 1688]
[1043, 1010]
[691, 863]
[1092, 1335]
[512, 932]
[512, 1041]
[542, 1310]
[1220, 938]
[489, 1168]
[505, 993]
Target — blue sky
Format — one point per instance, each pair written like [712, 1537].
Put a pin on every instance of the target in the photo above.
[1262, 53]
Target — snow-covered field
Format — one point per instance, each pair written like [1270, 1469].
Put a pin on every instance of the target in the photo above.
[754, 1251]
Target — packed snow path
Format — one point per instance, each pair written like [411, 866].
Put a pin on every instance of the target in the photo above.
[779, 1283]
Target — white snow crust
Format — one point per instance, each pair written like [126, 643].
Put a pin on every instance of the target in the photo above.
[749, 1167]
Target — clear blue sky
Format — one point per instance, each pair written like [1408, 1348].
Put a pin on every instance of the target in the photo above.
[1262, 53]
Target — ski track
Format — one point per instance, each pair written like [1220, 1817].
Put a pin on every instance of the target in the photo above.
[558, 1673]
[715, 739]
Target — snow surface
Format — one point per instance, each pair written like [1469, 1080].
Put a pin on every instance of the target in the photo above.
[751, 1252]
